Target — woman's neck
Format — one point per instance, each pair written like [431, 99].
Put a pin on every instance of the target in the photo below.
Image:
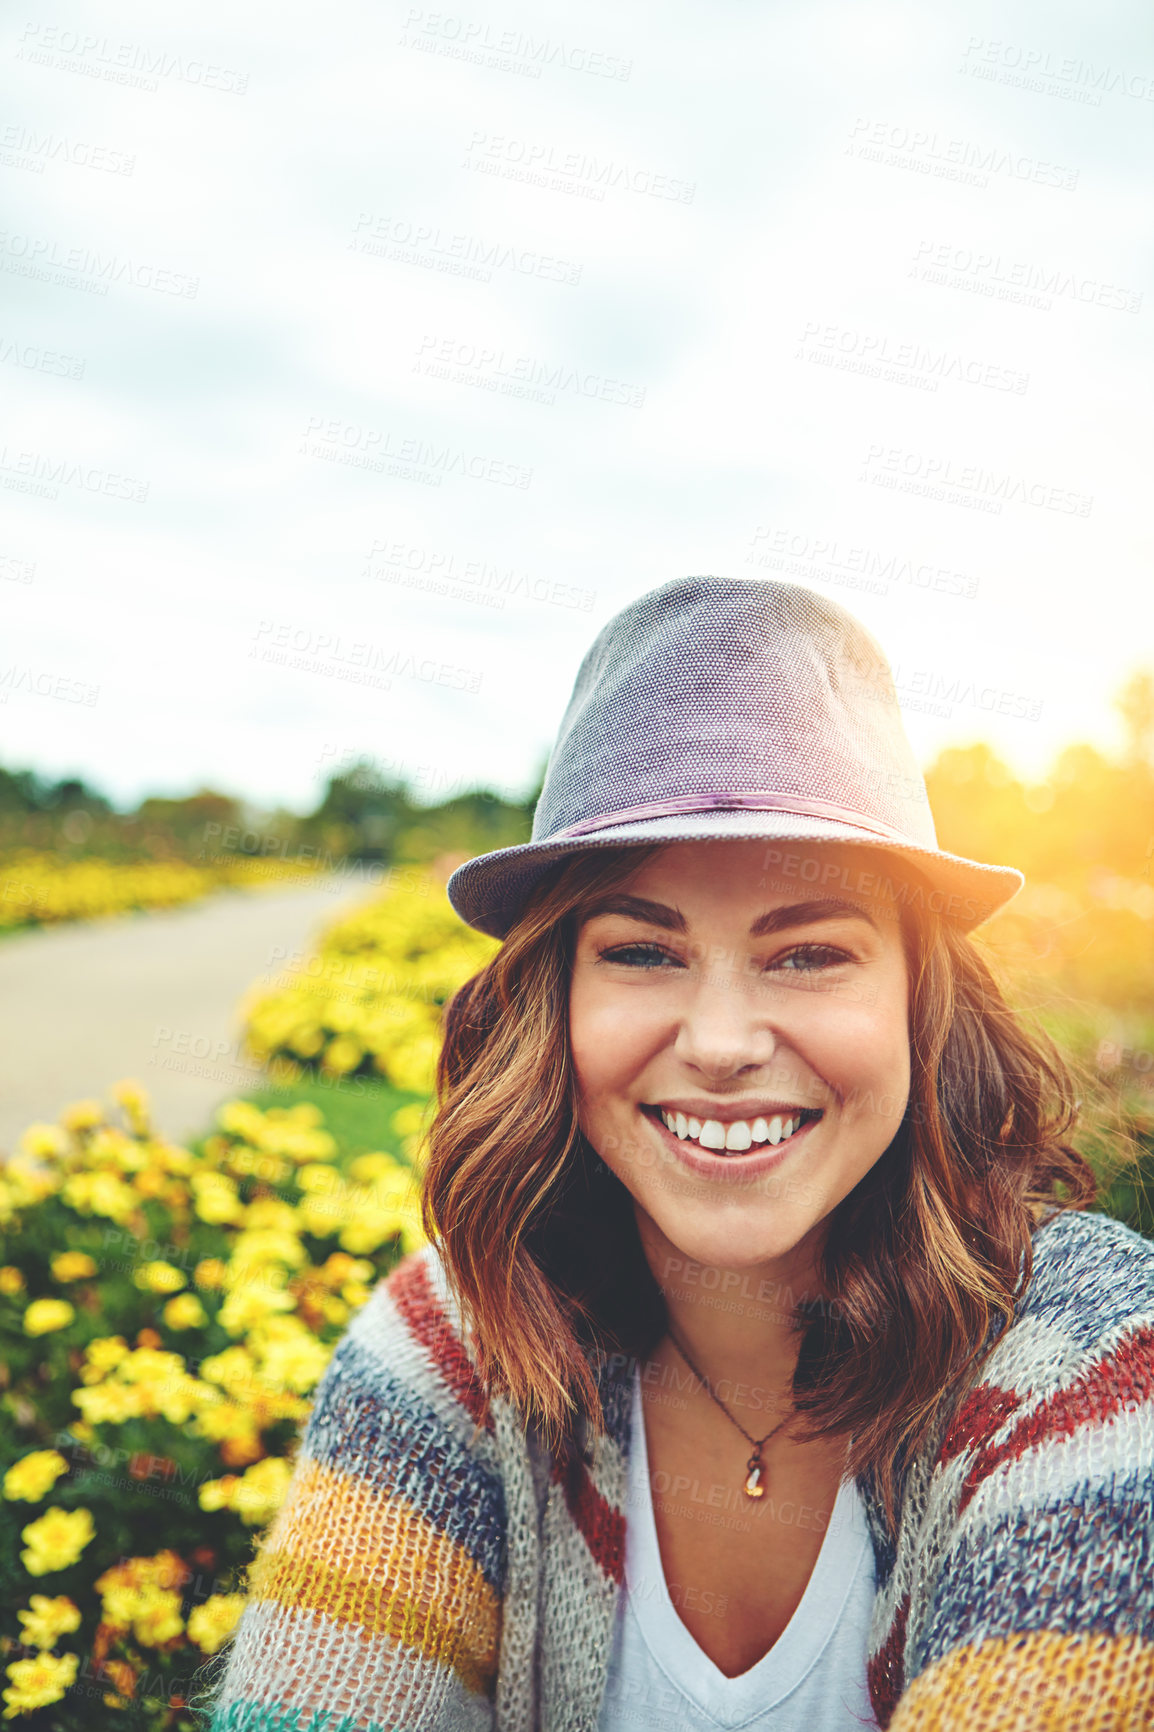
[736, 1326]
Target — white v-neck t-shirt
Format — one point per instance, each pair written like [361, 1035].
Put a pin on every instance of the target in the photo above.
[813, 1679]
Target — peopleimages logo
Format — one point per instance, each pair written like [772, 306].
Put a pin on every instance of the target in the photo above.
[891, 465]
[477, 40]
[990, 274]
[962, 159]
[489, 368]
[853, 565]
[402, 241]
[1030, 68]
[879, 355]
[37, 472]
[132, 63]
[40, 255]
[544, 163]
[383, 451]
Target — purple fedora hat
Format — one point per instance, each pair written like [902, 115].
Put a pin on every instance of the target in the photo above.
[718, 708]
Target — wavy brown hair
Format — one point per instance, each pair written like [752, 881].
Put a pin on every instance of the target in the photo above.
[926, 1258]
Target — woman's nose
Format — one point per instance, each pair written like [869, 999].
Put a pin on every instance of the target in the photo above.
[724, 1026]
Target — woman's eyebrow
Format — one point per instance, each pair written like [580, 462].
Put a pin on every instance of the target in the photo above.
[773, 920]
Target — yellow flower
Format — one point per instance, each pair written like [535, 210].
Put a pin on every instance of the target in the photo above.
[184, 1312]
[124, 1677]
[159, 1277]
[239, 1118]
[11, 1279]
[271, 1214]
[343, 1055]
[368, 1168]
[210, 1625]
[133, 1097]
[217, 1493]
[133, 1576]
[234, 1369]
[34, 1475]
[248, 1305]
[271, 1245]
[119, 1603]
[216, 1199]
[408, 1120]
[256, 1495]
[83, 1115]
[339, 1267]
[143, 1383]
[45, 1315]
[237, 1429]
[56, 1540]
[37, 1682]
[107, 1404]
[43, 1141]
[369, 1226]
[209, 1272]
[316, 1177]
[295, 1363]
[73, 1266]
[153, 1182]
[176, 1159]
[47, 1620]
[150, 1365]
[102, 1193]
[101, 1355]
[321, 1215]
[28, 1183]
[158, 1621]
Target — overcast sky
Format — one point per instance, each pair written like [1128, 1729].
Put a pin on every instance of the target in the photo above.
[359, 365]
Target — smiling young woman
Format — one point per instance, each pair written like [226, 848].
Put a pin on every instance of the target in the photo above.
[767, 1366]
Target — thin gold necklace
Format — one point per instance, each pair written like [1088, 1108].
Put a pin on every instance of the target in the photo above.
[754, 1466]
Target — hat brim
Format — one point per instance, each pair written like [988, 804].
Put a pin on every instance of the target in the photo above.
[489, 891]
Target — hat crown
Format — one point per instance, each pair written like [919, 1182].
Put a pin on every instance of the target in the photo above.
[710, 686]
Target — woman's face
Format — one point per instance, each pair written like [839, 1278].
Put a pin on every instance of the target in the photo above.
[730, 997]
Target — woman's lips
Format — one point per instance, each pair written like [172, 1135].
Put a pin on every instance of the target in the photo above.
[736, 1167]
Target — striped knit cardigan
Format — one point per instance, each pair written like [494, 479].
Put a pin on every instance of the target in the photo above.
[431, 1568]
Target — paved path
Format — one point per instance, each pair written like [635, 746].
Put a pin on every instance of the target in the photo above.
[150, 996]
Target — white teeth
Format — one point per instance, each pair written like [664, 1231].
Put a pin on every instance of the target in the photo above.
[736, 1136]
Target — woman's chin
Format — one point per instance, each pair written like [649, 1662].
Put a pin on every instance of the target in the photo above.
[731, 1254]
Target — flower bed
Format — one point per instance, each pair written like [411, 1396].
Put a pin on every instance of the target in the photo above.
[42, 890]
[165, 1313]
[369, 1001]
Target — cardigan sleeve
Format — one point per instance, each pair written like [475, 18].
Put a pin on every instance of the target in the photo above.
[374, 1599]
[1040, 1612]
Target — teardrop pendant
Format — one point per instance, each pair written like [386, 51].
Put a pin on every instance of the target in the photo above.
[753, 1485]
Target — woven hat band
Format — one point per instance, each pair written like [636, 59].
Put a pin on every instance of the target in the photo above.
[758, 801]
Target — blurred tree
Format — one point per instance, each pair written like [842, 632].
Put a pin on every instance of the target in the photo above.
[359, 815]
[183, 827]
